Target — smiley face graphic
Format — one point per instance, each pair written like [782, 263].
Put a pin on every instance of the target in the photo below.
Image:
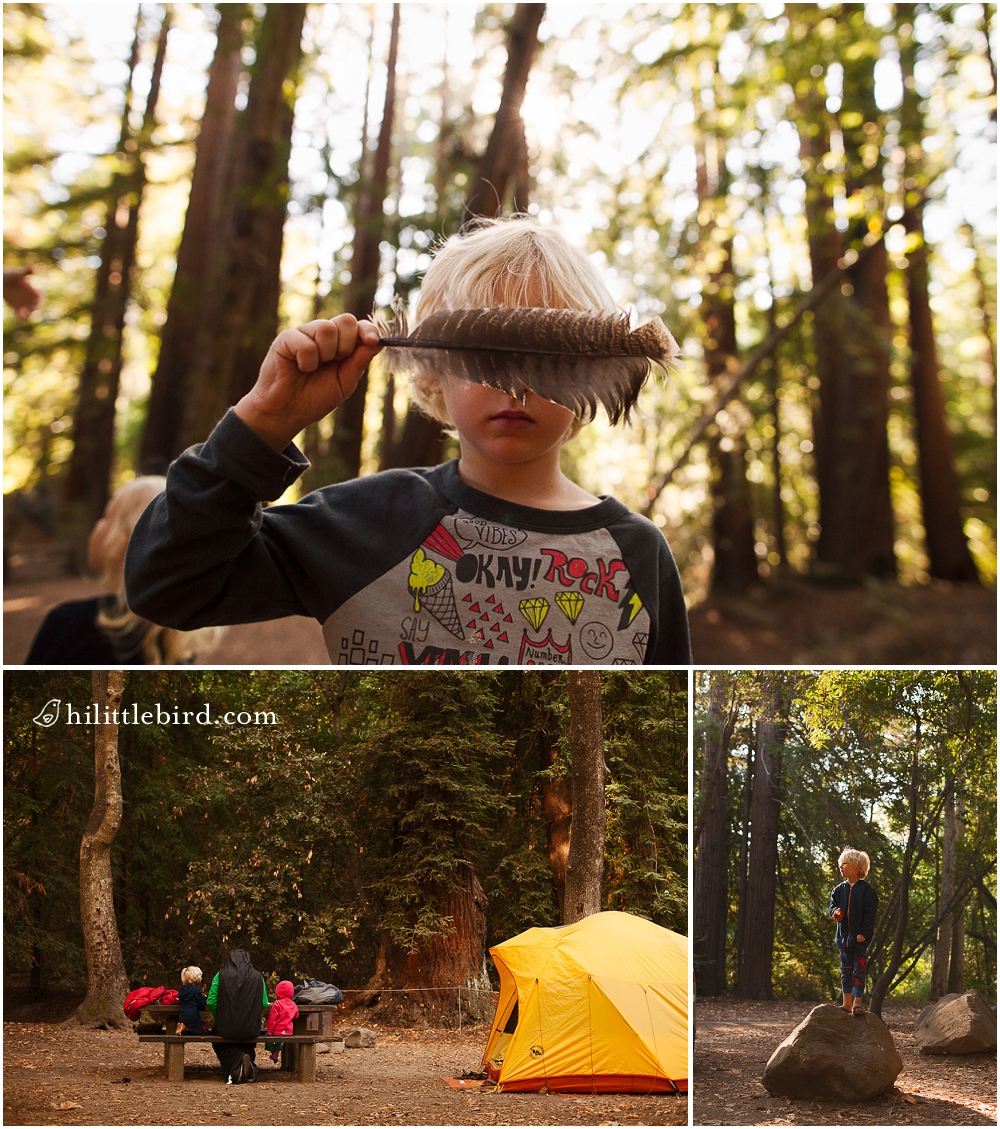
[596, 640]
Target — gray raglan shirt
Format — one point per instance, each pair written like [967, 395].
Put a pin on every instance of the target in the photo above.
[405, 567]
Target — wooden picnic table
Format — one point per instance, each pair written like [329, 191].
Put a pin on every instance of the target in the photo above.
[298, 1052]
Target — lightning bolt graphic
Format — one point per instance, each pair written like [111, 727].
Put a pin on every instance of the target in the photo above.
[631, 606]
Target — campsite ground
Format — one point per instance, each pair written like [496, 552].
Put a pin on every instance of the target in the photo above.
[795, 622]
[82, 1077]
[735, 1038]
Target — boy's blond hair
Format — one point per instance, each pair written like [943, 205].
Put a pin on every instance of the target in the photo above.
[858, 859]
[191, 974]
[505, 263]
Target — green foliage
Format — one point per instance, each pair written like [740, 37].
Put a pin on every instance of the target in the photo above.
[306, 846]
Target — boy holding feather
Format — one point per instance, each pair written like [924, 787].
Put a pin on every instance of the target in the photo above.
[492, 559]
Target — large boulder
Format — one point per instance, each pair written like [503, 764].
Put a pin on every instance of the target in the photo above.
[833, 1054]
[957, 1025]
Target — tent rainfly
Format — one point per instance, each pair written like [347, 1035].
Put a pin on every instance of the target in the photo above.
[597, 1006]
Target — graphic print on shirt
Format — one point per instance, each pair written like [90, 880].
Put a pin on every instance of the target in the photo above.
[477, 592]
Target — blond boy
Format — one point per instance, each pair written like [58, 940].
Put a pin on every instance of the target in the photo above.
[853, 905]
[495, 558]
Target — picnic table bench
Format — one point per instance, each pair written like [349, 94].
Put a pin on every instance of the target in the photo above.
[298, 1053]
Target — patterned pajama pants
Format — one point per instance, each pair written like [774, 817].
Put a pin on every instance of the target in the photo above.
[854, 969]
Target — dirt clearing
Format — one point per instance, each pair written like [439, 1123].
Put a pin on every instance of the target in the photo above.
[735, 1038]
[397, 1082]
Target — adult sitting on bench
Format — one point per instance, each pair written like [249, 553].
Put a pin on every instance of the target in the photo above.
[236, 998]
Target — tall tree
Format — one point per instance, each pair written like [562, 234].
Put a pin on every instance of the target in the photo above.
[755, 957]
[506, 150]
[947, 548]
[88, 480]
[246, 268]
[710, 841]
[369, 229]
[193, 301]
[585, 865]
[107, 983]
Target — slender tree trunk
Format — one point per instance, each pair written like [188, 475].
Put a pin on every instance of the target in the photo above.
[107, 984]
[742, 902]
[557, 803]
[710, 886]
[585, 865]
[499, 165]
[193, 302]
[247, 267]
[940, 492]
[903, 906]
[774, 400]
[369, 227]
[88, 481]
[942, 947]
[755, 972]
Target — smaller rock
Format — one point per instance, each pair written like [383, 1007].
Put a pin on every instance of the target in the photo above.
[358, 1036]
[937, 1003]
[335, 1047]
[957, 1025]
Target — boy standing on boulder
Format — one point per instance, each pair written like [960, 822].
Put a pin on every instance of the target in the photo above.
[853, 905]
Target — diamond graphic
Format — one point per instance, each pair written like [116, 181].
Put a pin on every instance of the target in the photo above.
[570, 604]
[640, 640]
[534, 611]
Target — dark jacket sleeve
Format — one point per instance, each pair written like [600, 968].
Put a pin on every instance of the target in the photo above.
[654, 574]
[202, 553]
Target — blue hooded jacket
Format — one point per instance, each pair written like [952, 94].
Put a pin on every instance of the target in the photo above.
[860, 904]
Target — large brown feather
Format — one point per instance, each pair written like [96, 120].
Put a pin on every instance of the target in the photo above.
[575, 359]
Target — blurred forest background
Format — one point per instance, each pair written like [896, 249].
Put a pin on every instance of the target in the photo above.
[378, 815]
[804, 192]
[793, 767]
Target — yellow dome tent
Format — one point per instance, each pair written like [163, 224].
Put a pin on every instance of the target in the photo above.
[597, 1006]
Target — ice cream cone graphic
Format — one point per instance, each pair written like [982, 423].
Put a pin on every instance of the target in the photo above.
[433, 592]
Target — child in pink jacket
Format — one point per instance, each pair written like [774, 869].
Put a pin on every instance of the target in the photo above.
[282, 1015]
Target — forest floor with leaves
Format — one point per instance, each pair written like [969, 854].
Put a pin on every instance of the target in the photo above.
[735, 1038]
[75, 1076]
[793, 623]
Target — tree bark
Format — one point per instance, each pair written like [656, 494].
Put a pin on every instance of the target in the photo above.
[193, 302]
[943, 943]
[557, 803]
[711, 846]
[88, 480]
[247, 268]
[585, 865]
[107, 983]
[452, 964]
[498, 167]
[369, 227]
[756, 959]
[940, 494]
[903, 902]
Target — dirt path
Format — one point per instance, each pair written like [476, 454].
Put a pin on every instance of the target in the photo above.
[735, 1038]
[108, 1078]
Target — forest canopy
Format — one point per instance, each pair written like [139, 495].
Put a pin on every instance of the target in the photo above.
[719, 162]
[328, 822]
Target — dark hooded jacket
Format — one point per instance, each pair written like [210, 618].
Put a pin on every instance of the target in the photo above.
[860, 904]
[238, 999]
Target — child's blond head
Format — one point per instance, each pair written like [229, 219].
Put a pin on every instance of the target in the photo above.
[858, 859]
[191, 974]
[505, 263]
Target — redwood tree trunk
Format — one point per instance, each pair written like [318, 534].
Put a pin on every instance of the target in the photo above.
[557, 802]
[452, 965]
[247, 271]
[710, 885]
[585, 865]
[943, 942]
[107, 984]
[500, 163]
[755, 966]
[193, 301]
[88, 479]
[369, 226]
